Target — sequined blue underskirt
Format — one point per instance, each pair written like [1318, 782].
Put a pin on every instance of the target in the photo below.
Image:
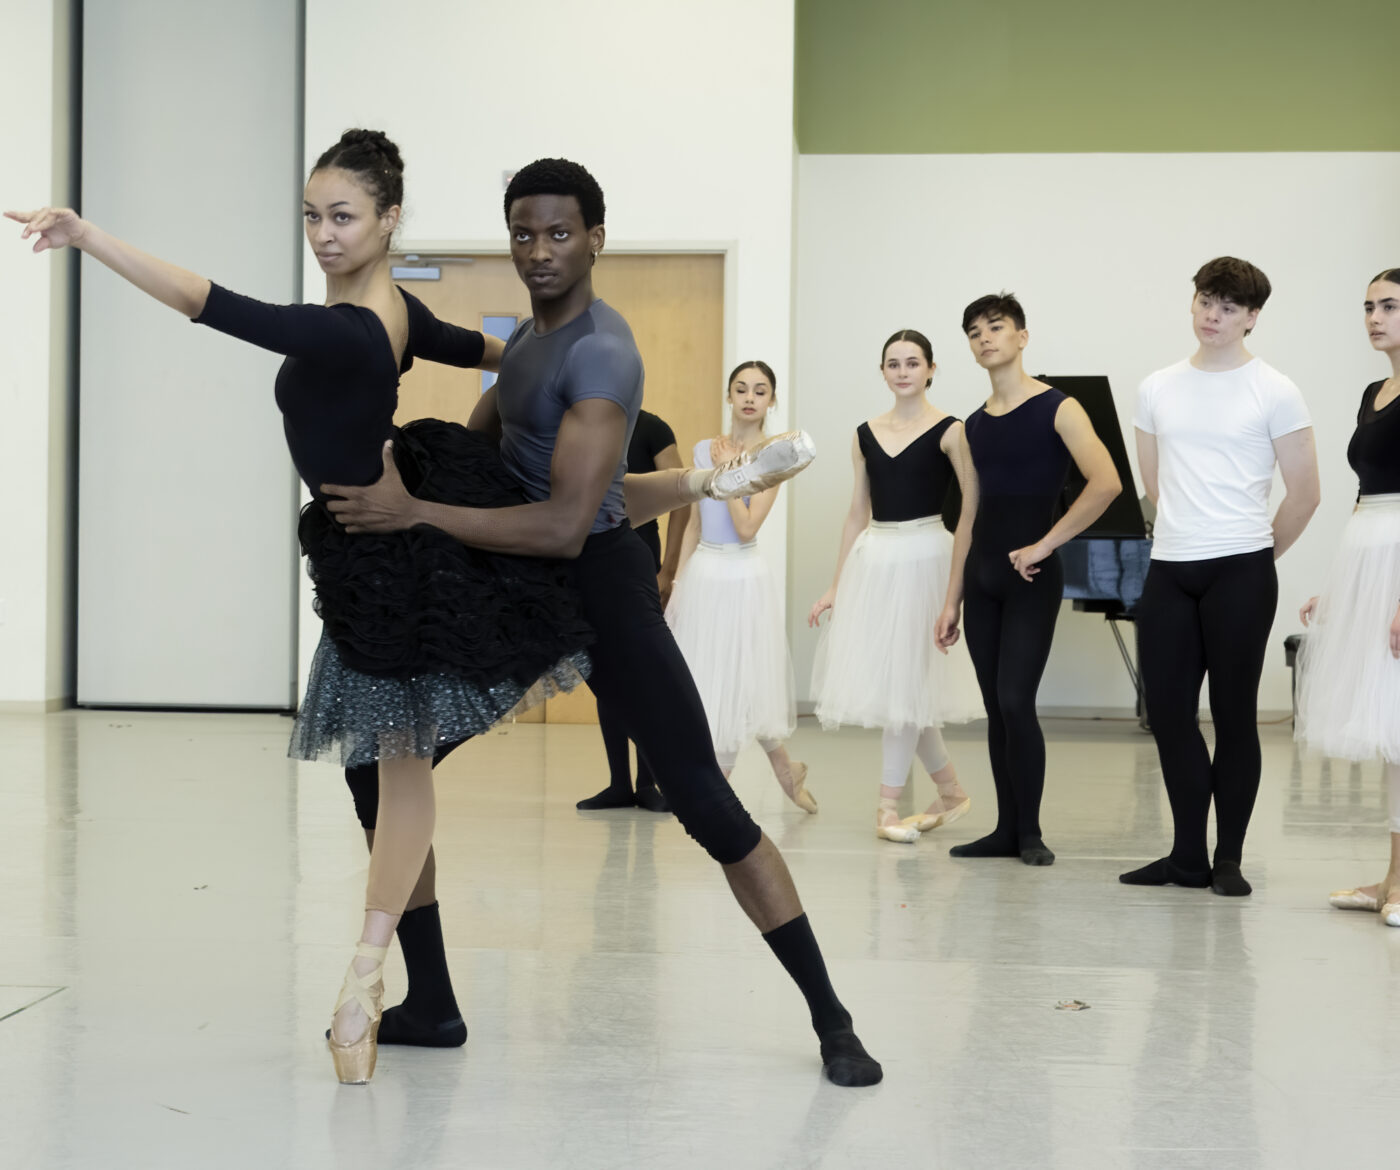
[352, 718]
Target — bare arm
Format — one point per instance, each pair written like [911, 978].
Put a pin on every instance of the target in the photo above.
[1101, 488]
[689, 541]
[491, 358]
[955, 446]
[677, 523]
[587, 451]
[485, 416]
[180, 289]
[857, 518]
[1147, 463]
[748, 517]
[1296, 453]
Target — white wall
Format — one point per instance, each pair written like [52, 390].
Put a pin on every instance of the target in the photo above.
[187, 563]
[1101, 250]
[683, 112]
[35, 369]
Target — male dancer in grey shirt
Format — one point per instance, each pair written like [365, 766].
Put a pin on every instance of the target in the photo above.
[563, 409]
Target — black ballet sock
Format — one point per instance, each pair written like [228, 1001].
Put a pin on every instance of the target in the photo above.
[1165, 872]
[995, 844]
[649, 797]
[610, 797]
[844, 1059]
[429, 1016]
[1227, 881]
[1034, 851]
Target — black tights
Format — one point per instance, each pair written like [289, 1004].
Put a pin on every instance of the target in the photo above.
[1010, 626]
[642, 681]
[1197, 618]
[616, 744]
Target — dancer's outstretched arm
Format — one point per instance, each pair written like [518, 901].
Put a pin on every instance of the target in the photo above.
[62, 227]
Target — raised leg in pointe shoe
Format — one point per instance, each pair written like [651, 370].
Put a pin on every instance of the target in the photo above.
[402, 838]
[770, 462]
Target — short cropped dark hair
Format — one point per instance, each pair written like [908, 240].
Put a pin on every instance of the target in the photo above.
[1237, 281]
[558, 176]
[994, 306]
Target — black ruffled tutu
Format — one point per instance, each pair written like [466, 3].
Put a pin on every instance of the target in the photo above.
[426, 641]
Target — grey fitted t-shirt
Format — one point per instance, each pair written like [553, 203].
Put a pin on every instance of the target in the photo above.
[593, 356]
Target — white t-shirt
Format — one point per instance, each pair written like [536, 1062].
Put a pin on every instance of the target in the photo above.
[1215, 455]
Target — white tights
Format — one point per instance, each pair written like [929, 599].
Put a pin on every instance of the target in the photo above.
[901, 744]
[726, 759]
[1392, 784]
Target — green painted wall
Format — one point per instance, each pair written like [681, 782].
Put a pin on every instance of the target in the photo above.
[944, 77]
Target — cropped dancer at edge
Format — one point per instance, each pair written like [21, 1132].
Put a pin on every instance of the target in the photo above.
[1349, 664]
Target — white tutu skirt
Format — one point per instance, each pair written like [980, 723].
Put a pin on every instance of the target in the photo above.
[1348, 682]
[876, 664]
[725, 616]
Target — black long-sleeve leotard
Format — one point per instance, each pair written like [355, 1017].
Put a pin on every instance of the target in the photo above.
[338, 388]
[418, 602]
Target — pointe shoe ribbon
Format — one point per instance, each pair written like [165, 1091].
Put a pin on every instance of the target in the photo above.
[770, 463]
[899, 832]
[354, 1061]
[928, 820]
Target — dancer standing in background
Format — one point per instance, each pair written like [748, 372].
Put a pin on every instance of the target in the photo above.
[897, 568]
[725, 612]
[1349, 664]
[652, 448]
[1021, 441]
[1210, 431]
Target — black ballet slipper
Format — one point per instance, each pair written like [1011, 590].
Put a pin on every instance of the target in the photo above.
[649, 797]
[1227, 881]
[397, 1026]
[992, 845]
[845, 1061]
[1034, 851]
[1165, 872]
[609, 798]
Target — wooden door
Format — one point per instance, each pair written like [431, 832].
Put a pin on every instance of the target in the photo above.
[675, 306]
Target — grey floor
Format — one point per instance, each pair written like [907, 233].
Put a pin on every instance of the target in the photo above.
[180, 903]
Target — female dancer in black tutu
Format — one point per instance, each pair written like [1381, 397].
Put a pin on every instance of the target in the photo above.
[426, 642]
